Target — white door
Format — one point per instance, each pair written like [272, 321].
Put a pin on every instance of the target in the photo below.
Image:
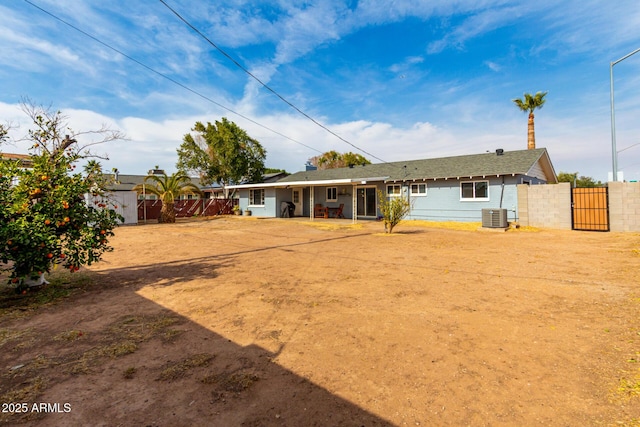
[296, 198]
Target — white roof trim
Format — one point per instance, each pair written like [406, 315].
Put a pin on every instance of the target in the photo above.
[349, 181]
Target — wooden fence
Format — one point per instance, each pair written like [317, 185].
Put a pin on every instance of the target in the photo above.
[150, 209]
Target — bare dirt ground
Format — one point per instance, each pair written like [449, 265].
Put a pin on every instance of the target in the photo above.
[243, 321]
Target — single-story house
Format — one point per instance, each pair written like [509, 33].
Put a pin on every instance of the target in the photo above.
[442, 189]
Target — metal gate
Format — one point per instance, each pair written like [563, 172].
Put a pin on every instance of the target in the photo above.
[590, 209]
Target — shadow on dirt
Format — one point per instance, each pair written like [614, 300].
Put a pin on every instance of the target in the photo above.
[118, 358]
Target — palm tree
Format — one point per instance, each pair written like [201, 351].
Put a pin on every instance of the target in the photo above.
[528, 104]
[168, 189]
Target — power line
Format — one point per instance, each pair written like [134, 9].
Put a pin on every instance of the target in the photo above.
[167, 77]
[264, 84]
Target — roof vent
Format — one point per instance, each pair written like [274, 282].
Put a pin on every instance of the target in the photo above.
[499, 152]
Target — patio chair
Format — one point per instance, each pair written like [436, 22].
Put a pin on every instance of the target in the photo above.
[320, 211]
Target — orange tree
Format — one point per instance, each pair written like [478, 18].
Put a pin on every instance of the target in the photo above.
[49, 213]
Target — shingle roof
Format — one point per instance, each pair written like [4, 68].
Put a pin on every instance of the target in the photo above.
[25, 159]
[510, 162]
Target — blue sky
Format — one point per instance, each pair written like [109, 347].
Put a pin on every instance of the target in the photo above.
[401, 79]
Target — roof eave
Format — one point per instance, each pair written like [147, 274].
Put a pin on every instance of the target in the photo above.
[319, 182]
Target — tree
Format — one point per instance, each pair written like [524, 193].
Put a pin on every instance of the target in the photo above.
[393, 210]
[222, 153]
[46, 218]
[274, 170]
[4, 130]
[575, 181]
[332, 160]
[529, 104]
[168, 189]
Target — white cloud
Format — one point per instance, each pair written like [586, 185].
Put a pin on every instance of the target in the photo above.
[21, 46]
[493, 66]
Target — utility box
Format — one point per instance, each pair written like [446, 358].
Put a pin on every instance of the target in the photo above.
[494, 218]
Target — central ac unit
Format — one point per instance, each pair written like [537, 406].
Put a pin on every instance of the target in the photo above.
[494, 218]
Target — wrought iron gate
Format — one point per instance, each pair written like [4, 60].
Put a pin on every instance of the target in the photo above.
[590, 209]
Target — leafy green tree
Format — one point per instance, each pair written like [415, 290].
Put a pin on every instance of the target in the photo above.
[168, 188]
[222, 153]
[578, 181]
[274, 170]
[49, 214]
[332, 160]
[393, 210]
[529, 104]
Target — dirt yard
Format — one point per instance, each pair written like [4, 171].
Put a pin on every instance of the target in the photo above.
[255, 322]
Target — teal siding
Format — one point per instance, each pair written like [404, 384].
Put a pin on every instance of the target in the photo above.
[269, 208]
[442, 202]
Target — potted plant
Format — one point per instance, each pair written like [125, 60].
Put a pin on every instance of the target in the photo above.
[236, 210]
[247, 212]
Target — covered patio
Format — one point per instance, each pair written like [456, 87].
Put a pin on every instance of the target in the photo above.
[348, 198]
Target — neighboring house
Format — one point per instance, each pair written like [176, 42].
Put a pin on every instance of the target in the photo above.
[25, 159]
[442, 189]
[123, 182]
[129, 202]
[126, 203]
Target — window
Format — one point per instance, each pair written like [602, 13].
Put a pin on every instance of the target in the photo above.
[332, 194]
[477, 190]
[393, 190]
[256, 197]
[418, 189]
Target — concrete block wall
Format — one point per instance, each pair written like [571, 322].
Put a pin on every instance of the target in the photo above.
[545, 205]
[549, 206]
[624, 206]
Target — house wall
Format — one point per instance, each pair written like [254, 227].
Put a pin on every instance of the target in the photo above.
[273, 197]
[441, 203]
[126, 202]
[267, 210]
[443, 200]
[345, 196]
[282, 195]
